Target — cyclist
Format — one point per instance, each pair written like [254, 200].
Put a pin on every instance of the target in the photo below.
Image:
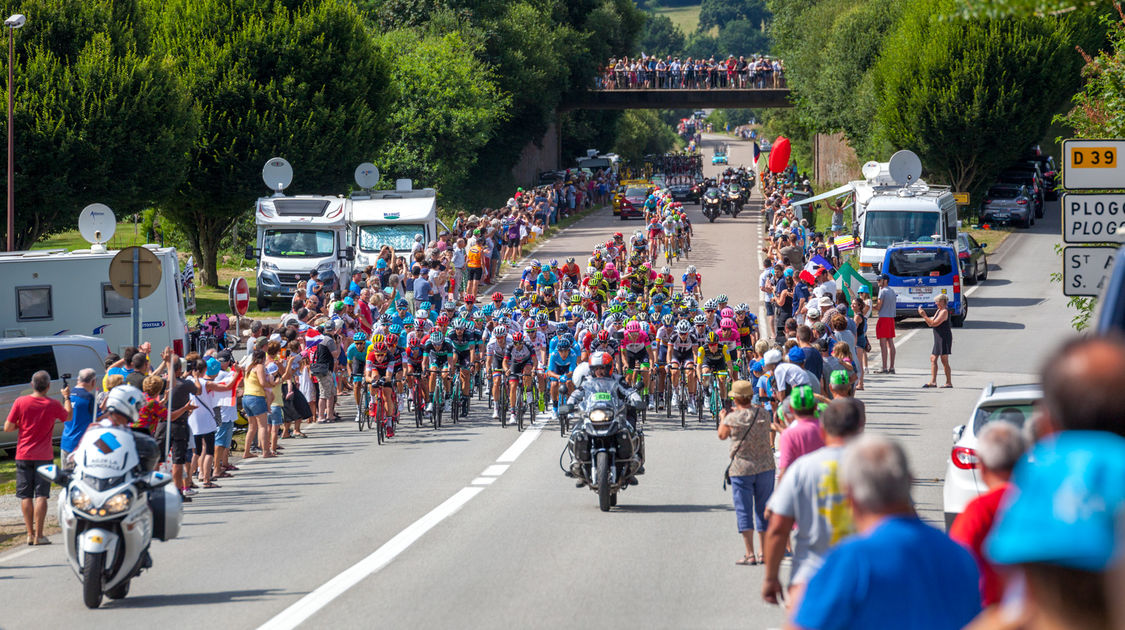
[612, 277]
[412, 358]
[520, 360]
[681, 355]
[655, 237]
[465, 342]
[638, 347]
[747, 324]
[570, 270]
[693, 282]
[560, 365]
[436, 354]
[713, 358]
[547, 278]
[379, 376]
[728, 336]
[494, 353]
[355, 355]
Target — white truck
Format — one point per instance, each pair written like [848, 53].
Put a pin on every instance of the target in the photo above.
[890, 205]
[296, 236]
[391, 217]
[56, 292]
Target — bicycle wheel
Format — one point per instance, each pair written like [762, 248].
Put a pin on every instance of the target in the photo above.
[520, 405]
[361, 415]
[535, 401]
[418, 400]
[502, 404]
[455, 398]
[435, 401]
[380, 429]
[371, 419]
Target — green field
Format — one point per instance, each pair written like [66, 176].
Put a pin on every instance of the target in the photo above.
[686, 17]
[126, 235]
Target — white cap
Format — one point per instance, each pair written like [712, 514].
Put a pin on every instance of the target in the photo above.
[772, 357]
[813, 313]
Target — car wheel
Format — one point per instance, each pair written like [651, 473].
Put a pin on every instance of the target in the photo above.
[958, 321]
[970, 278]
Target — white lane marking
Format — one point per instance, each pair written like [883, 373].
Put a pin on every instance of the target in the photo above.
[17, 554]
[304, 608]
[519, 446]
[308, 605]
[906, 337]
[495, 470]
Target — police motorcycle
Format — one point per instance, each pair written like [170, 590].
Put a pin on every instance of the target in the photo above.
[606, 449]
[732, 199]
[114, 503]
[712, 204]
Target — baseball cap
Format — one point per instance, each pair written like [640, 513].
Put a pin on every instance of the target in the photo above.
[802, 398]
[796, 355]
[757, 366]
[225, 355]
[772, 357]
[884, 276]
[813, 313]
[1063, 503]
[788, 272]
[863, 289]
[348, 301]
[839, 377]
[213, 366]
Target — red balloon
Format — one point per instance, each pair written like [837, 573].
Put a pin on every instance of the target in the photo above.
[779, 155]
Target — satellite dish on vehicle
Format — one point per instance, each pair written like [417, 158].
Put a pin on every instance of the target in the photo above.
[870, 170]
[97, 224]
[904, 168]
[277, 174]
[366, 175]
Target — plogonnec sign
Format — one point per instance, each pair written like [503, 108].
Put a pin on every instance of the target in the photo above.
[1093, 218]
[1086, 270]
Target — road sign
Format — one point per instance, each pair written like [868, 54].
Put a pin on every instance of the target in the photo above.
[1093, 218]
[962, 198]
[1086, 270]
[1093, 164]
[239, 296]
[121, 272]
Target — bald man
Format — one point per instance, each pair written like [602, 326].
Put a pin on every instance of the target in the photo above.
[1084, 387]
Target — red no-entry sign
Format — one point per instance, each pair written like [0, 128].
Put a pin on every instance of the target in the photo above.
[239, 294]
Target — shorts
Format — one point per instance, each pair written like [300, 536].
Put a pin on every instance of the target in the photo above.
[205, 443]
[224, 434]
[683, 357]
[518, 368]
[475, 273]
[463, 358]
[715, 365]
[276, 416]
[631, 358]
[357, 378]
[180, 449]
[29, 485]
[885, 328]
[254, 405]
[327, 387]
[769, 308]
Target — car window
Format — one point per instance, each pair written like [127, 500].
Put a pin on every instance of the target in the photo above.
[916, 263]
[972, 242]
[1017, 414]
[19, 363]
[1003, 193]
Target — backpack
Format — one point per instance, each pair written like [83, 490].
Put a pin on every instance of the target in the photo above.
[322, 360]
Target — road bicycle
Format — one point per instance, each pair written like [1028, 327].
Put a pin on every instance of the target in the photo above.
[378, 416]
[502, 403]
[417, 401]
[437, 398]
[681, 397]
[631, 377]
[715, 396]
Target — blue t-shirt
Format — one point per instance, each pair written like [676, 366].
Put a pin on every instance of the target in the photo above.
[557, 364]
[765, 382]
[800, 292]
[903, 570]
[83, 414]
[422, 289]
[813, 361]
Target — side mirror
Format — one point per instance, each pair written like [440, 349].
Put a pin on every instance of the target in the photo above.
[54, 474]
[156, 479]
[958, 431]
[349, 254]
[249, 254]
[983, 245]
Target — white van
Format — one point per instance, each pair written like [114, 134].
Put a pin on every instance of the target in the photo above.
[22, 357]
[54, 292]
[295, 236]
[391, 217]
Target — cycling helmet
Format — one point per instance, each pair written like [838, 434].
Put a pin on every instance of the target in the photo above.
[462, 310]
[659, 281]
[617, 236]
[597, 276]
[380, 348]
[563, 344]
[561, 328]
[529, 324]
[517, 337]
[570, 260]
[617, 318]
[535, 264]
[691, 269]
[665, 270]
[421, 314]
[125, 400]
[414, 341]
[610, 267]
[633, 327]
[699, 320]
[386, 318]
[548, 291]
[721, 298]
[576, 299]
[603, 336]
[487, 310]
[460, 323]
[602, 360]
[667, 319]
[710, 305]
[443, 320]
[525, 304]
[683, 327]
[394, 329]
[517, 293]
[437, 337]
[377, 338]
[541, 319]
[498, 297]
[726, 322]
[359, 336]
[449, 306]
[742, 307]
[408, 321]
[470, 298]
[677, 298]
[712, 338]
[499, 331]
[727, 312]
[658, 299]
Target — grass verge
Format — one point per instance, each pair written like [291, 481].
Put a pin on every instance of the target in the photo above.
[993, 238]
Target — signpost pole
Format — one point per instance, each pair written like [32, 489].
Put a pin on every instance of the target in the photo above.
[136, 297]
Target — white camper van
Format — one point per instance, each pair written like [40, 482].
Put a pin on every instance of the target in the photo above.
[54, 292]
[391, 217]
[295, 236]
[891, 205]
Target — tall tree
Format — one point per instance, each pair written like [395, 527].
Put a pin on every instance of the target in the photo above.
[641, 132]
[96, 118]
[717, 13]
[661, 37]
[306, 83]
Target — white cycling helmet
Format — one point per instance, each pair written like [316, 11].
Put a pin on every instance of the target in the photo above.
[691, 269]
[125, 400]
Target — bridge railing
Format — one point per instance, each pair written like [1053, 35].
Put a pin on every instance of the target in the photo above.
[640, 75]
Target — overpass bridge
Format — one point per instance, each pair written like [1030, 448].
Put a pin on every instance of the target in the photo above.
[645, 98]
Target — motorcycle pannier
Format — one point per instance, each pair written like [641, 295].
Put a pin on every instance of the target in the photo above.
[167, 512]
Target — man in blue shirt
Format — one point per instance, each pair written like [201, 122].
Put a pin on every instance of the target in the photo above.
[898, 571]
[422, 288]
[560, 364]
[82, 414]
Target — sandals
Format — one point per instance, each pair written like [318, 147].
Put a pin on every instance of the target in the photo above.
[949, 386]
[928, 386]
[747, 561]
[211, 484]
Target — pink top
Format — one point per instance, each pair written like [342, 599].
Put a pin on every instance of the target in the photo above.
[800, 438]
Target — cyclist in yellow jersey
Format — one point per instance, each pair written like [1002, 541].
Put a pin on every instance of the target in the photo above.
[712, 357]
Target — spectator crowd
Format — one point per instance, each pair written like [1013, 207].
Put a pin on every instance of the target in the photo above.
[673, 73]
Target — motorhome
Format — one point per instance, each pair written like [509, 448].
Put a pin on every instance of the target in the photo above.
[296, 235]
[892, 204]
[56, 292]
[391, 217]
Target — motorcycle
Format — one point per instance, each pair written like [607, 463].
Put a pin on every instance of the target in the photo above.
[606, 451]
[712, 204]
[110, 512]
[733, 199]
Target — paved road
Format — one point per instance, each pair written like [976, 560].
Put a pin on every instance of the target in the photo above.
[475, 526]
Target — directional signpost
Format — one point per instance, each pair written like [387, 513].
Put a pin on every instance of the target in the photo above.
[1092, 218]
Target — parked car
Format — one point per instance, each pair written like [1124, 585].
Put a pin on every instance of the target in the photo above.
[1030, 179]
[1008, 203]
[1010, 403]
[974, 260]
[1050, 174]
[764, 146]
[20, 357]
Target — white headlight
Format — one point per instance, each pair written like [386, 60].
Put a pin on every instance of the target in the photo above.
[118, 502]
[79, 499]
[598, 415]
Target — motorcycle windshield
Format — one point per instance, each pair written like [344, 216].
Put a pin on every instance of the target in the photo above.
[599, 396]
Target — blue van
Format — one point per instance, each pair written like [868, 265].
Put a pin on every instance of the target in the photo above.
[919, 272]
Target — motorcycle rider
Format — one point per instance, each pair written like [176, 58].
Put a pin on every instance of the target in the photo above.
[598, 377]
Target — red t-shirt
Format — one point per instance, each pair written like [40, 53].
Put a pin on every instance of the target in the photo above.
[970, 528]
[35, 419]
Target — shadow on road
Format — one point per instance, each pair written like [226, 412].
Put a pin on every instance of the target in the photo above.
[677, 508]
[993, 325]
[191, 599]
[1005, 302]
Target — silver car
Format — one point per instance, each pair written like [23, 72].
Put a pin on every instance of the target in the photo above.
[1008, 203]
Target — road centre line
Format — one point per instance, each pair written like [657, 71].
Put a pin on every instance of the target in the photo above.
[304, 608]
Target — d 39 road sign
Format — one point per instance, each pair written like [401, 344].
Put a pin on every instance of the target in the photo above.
[1093, 164]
